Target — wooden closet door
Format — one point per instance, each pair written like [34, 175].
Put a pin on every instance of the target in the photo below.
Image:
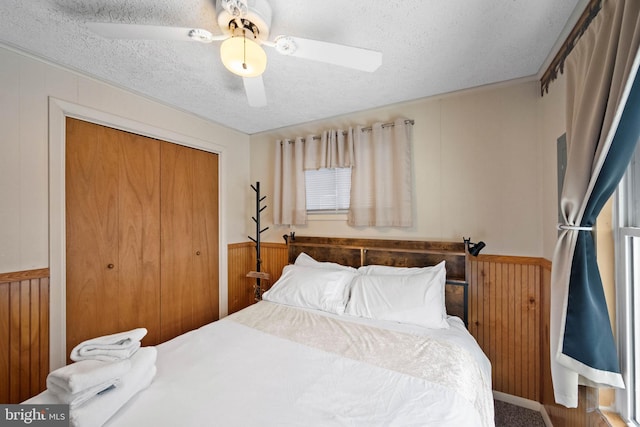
[139, 235]
[189, 243]
[91, 186]
[205, 236]
[112, 232]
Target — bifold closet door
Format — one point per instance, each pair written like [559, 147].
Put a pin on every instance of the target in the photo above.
[189, 239]
[112, 184]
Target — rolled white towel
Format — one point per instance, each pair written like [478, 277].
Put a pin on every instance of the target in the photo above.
[109, 347]
[85, 374]
[78, 382]
[74, 400]
[97, 411]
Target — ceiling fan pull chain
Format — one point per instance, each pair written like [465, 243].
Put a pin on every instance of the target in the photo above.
[244, 49]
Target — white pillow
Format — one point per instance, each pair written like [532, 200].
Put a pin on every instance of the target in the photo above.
[416, 299]
[311, 287]
[388, 270]
[306, 260]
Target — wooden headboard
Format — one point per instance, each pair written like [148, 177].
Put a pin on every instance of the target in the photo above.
[397, 253]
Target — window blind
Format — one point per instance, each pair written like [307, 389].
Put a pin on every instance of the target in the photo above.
[328, 190]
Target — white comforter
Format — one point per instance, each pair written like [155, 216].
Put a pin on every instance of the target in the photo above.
[274, 365]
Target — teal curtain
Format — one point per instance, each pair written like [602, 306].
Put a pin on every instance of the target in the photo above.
[603, 126]
[588, 337]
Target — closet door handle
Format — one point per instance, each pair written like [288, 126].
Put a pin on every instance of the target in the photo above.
[197, 252]
[110, 266]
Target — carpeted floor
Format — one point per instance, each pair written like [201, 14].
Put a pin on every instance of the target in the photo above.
[508, 415]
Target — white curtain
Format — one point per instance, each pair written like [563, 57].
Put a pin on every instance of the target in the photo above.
[289, 194]
[333, 149]
[381, 179]
[600, 72]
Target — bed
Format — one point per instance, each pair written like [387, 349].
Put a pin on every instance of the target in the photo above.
[323, 349]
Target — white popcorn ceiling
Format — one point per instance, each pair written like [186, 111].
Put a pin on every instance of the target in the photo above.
[429, 47]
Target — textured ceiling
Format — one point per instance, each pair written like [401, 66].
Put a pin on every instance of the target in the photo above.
[429, 47]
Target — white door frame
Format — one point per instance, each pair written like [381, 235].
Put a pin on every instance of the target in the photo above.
[59, 110]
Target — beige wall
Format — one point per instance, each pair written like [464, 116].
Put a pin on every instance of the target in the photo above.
[27, 86]
[477, 167]
[484, 161]
[551, 116]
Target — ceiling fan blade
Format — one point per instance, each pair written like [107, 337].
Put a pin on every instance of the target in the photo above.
[337, 54]
[151, 32]
[254, 87]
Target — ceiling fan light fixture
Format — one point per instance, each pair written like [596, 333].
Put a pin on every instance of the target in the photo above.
[243, 56]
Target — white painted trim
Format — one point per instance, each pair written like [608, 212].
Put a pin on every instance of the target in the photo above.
[524, 403]
[517, 400]
[545, 416]
[59, 110]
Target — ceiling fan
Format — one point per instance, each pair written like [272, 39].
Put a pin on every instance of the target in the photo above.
[245, 25]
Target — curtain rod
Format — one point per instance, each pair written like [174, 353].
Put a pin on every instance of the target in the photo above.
[368, 128]
[557, 64]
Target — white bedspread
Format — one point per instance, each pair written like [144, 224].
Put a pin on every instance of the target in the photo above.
[273, 365]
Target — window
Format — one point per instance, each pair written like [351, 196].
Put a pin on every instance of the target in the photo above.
[628, 289]
[328, 190]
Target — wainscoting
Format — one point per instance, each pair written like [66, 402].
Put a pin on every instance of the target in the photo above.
[241, 260]
[504, 313]
[24, 334]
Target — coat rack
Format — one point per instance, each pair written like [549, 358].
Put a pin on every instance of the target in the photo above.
[257, 274]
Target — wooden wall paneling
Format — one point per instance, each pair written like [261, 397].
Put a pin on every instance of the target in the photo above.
[14, 342]
[274, 259]
[519, 349]
[546, 385]
[240, 260]
[25, 339]
[492, 309]
[502, 356]
[515, 351]
[44, 332]
[24, 335]
[5, 337]
[474, 319]
[505, 321]
[34, 337]
[534, 305]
